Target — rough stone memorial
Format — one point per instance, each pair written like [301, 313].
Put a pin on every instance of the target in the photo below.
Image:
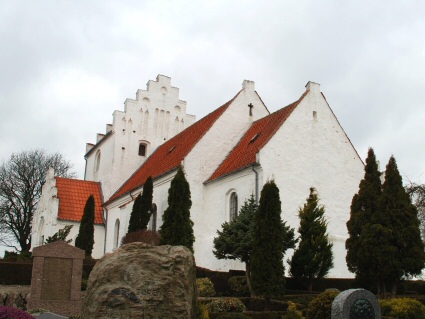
[356, 304]
[142, 281]
[56, 278]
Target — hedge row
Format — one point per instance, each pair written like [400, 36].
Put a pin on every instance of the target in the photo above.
[20, 273]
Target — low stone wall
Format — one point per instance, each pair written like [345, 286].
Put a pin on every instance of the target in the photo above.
[15, 296]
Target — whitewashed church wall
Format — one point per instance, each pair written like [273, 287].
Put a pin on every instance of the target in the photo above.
[46, 212]
[312, 150]
[103, 170]
[211, 150]
[99, 235]
[121, 210]
[217, 211]
[156, 115]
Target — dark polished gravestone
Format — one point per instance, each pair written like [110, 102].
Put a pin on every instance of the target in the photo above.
[356, 304]
[56, 278]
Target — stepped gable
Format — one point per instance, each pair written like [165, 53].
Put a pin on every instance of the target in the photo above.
[169, 155]
[73, 195]
[261, 131]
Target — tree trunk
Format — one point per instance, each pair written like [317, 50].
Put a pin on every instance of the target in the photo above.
[248, 279]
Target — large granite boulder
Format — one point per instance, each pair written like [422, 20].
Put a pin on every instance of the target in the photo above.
[142, 281]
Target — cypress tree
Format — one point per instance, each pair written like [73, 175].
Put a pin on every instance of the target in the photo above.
[146, 203]
[363, 206]
[177, 227]
[235, 240]
[85, 238]
[313, 258]
[270, 234]
[398, 217]
[135, 216]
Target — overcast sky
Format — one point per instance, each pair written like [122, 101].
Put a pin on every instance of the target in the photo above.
[65, 66]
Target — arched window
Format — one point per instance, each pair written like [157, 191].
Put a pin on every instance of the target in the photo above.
[116, 233]
[142, 149]
[233, 205]
[97, 161]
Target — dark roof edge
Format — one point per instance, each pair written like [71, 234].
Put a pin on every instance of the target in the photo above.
[209, 181]
[103, 139]
[351, 143]
[141, 185]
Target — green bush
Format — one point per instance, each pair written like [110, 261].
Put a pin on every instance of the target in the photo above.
[205, 287]
[202, 311]
[227, 304]
[293, 313]
[238, 286]
[402, 308]
[321, 306]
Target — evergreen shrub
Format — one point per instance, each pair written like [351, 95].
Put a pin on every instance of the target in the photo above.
[227, 304]
[321, 306]
[402, 308]
[293, 312]
[205, 287]
[13, 313]
[238, 286]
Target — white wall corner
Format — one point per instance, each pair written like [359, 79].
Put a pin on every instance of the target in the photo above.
[313, 87]
[248, 85]
[163, 79]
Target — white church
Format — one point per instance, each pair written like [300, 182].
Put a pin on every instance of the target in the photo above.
[227, 156]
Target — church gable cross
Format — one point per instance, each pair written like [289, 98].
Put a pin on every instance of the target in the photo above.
[250, 108]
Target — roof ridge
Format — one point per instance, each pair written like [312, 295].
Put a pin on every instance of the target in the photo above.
[252, 141]
[172, 146]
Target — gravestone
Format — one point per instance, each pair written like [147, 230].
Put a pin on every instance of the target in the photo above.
[49, 315]
[56, 278]
[142, 281]
[356, 304]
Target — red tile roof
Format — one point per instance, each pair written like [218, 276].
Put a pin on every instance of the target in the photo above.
[169, 155]
[261, 131]
[73, 195]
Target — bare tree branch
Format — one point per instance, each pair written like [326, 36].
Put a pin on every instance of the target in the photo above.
[21, 181]
[417, 195]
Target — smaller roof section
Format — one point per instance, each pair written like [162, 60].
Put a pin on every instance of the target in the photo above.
[73, 195]
[260, 132]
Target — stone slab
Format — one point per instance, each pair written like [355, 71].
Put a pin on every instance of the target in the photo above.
[50, 315]
[142, 281]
